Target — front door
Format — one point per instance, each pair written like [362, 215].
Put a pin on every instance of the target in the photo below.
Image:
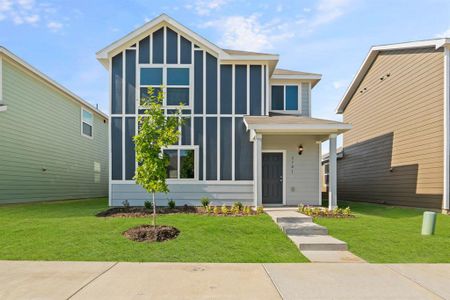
[272, 178]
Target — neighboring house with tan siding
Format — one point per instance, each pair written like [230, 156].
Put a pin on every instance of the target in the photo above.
[53, 144]
[398, 104]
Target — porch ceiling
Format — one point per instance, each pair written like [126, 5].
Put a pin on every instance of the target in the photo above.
[294, 125]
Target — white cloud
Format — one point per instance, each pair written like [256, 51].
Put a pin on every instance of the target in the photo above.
[54, 26]
[28, 12]
[338, 84]
[444, 34]
[205, 7]
[328, 11]
[248, 33]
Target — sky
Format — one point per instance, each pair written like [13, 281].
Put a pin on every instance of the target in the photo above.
[330, 37]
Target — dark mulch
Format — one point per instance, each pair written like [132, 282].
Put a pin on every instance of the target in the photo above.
[144, 212]
[150, 233]
[138, 211]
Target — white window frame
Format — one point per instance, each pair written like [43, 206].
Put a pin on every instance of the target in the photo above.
[82, 121]
[196, 163]
[299, 98]
[164, 85]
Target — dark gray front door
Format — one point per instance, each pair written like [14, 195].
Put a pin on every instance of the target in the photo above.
[272, 178]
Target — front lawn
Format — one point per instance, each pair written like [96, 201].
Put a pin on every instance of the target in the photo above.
[385, 234]
[68, 230]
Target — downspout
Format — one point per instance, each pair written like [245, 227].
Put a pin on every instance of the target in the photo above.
[446, 192]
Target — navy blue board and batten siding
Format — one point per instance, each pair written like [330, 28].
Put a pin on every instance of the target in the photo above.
[213, 122]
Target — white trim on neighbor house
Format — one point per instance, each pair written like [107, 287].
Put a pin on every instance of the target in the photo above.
[284, 152]
[446, 191]
[109, 132]
[319, 144]
[90, 124]
[50, 81]
[373, 52]
[3, 107]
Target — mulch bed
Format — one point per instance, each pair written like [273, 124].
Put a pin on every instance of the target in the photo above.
[150, 233]
[133, 212]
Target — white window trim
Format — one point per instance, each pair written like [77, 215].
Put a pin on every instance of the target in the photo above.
[82, 121]
[3, 107]
[284, 110]
[165, 86]
[196, 163]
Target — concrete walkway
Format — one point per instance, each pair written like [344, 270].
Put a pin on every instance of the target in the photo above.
[109, 280]
[311, 239]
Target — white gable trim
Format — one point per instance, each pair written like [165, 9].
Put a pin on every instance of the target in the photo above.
[370, 58]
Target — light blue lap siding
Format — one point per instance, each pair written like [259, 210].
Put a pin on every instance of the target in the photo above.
[243, 152]
[211, 84]
[198, 82]
[185, 194]
[255, 90]
[116, 148]
[144, 51]
[158, 46]
[172, 47]
[130, 161]
[130, 82]
[116, 84]
[185, 51]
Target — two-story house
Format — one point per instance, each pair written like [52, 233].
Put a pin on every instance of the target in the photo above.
[248, 135]
[398, 104]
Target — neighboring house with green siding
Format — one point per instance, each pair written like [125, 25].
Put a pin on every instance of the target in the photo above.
[53, 144]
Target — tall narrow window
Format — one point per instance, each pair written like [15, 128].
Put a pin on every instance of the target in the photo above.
[87, 123]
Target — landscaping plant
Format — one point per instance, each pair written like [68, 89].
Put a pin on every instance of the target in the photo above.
[156, 132]
[171, 204]
[224, 209]
[205, 202]
[259, 210]
[148, 205]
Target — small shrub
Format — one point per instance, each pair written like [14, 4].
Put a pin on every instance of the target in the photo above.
[216, 210]
[259, 210]
[247, 210]
[126, 205]
[148, 205]
[238, 205]
[205, 202]
[171, 204]
[224, 209]
[347, 211]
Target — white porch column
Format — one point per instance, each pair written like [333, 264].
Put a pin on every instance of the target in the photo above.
[257, 169]
[332, 174]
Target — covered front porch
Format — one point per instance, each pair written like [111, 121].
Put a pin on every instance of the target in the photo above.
[287, 159]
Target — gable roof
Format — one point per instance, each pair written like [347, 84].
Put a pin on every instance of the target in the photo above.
[371, 56]
[139, 33]
[50, 81]
[290, 74]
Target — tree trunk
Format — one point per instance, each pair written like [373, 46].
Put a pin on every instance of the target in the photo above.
[154, 211]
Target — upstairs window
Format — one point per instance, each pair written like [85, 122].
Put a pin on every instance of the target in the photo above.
[285, 97]
[176, 81]
[87, 123]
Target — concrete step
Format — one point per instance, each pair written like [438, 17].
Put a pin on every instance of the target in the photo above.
[318, 243]
[305, 228]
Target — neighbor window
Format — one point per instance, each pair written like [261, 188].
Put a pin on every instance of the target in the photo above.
[285, 97]
[181, 163]
[175, 79]
[87, 123]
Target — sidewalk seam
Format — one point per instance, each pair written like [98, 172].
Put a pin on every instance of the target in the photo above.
[92, 280]
[412, 280]
[273, 282]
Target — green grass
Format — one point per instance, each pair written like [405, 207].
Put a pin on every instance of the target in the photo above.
[68, 230]
[385, 234]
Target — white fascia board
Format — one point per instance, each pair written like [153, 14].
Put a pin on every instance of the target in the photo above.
[437, 43]
[44, 77]
[298, 127]
[298, 77]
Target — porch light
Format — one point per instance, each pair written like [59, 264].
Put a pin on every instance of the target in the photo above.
[300, 150]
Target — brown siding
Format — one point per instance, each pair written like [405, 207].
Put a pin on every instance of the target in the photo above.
[394, 152]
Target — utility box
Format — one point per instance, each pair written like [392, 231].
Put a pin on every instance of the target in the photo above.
[428, 223]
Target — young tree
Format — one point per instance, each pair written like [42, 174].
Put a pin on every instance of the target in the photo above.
[156, 132]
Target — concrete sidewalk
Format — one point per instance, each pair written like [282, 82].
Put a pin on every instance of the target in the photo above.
[109, 280]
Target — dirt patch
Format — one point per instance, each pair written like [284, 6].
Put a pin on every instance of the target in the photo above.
[149, 233]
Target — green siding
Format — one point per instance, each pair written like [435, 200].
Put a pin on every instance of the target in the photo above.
[41, 130]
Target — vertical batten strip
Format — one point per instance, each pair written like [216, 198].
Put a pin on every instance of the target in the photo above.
[233, 143]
